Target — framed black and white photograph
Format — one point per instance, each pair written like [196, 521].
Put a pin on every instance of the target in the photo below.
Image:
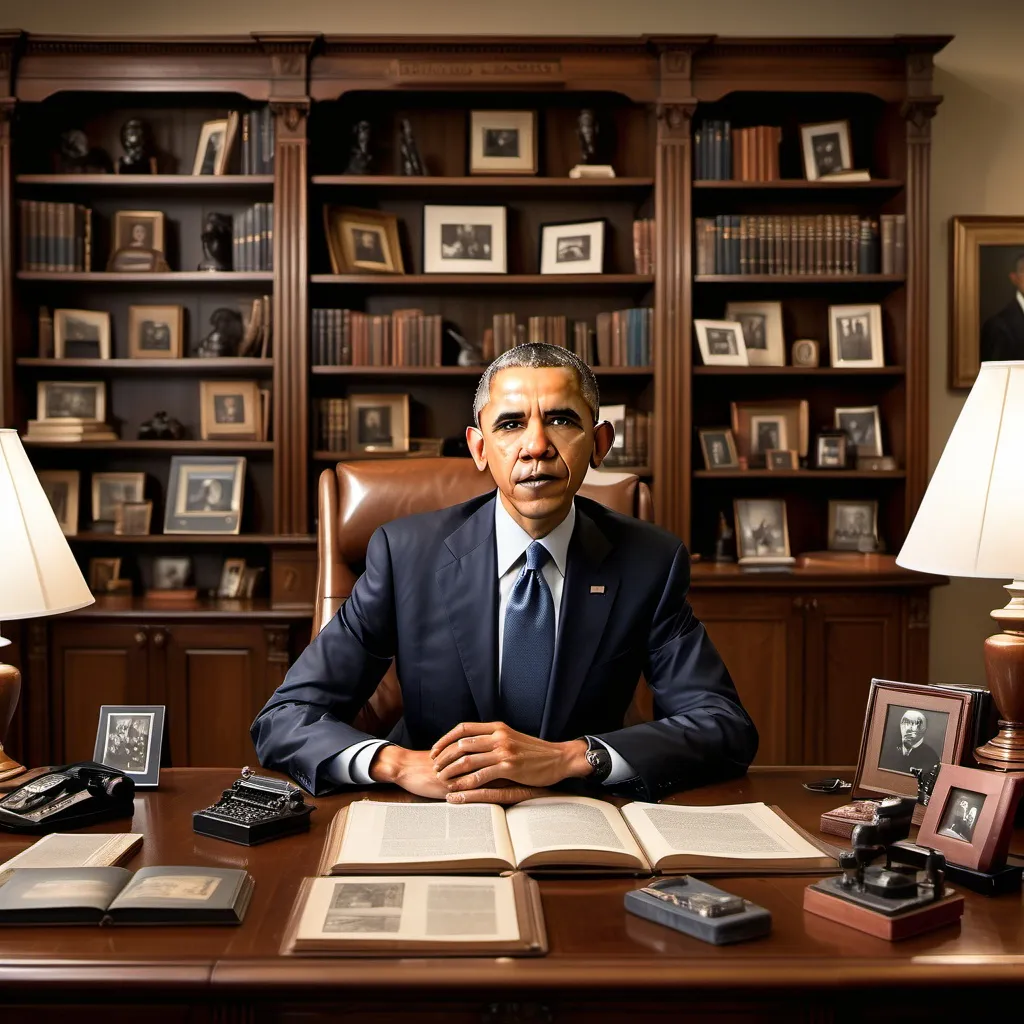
[830, 450]
[826, 148]
[853, 526]
[204, 494]
[464, 240]
[719, 448]
[155, 332]
[379, 423]
[361, 240]
[229, 410]
[81, 334]
[855, 335]
[502, 142]
[214, 147]
[574, 248]
[71, 400]
[721, 342]
[171, 572]
[61, 489]
[110, 489]
[806, 352]
[762, 331]
[231, 576]
[863, 426]
[781, 459]
[762, 532]
[130, 739]
[138, 229]
[768, 432]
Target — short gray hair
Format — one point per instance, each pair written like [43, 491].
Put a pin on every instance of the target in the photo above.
[536, 356]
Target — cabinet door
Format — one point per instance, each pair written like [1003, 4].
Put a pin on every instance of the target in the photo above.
[760, 638]
[92, 664]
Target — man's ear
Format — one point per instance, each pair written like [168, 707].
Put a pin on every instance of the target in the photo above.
[604, 436]
[475, 441]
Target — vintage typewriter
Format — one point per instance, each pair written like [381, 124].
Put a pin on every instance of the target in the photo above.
[255, 810]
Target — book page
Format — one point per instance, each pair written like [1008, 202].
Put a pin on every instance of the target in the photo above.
[418, 908]
[387, 832]
[570, 823]
[744, 831]
[68, 850]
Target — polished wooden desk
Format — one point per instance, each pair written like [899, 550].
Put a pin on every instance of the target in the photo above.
[603, 963]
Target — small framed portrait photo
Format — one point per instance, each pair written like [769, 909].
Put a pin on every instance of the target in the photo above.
[855, 335]
[61, 489]
[863, 426]
[719, 448]
[362, 240]
[112, 489]
[575, 248]
[214, 147]
[781, 459]
[502, 142]
[155, 332]
[826, 148]
[130, 739]
[103, 572]
[830, 450]
[229, 410]
[464, 240]
[204, 494]
[133, 518]
[806, 352]
[172, 572]
[138, 229]
[761, 529]
[71, 400]
[768, 433]
[853, 526]
[762, 331]
[379, 423]
[970, 815]
[231, 577]
[721, 343]
[81, 334]
[909, 729]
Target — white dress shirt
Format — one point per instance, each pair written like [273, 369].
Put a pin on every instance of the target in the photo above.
[1020, 300]
[352, 765]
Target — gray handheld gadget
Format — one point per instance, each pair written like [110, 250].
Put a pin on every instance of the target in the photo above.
[699, 909]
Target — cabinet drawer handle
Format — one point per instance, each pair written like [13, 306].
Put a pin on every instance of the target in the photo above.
[140, 638]
[798, 602]
[159, 639]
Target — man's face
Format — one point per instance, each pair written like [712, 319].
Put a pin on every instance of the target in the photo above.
[537, 436]
[912, 727]
[1018, 279]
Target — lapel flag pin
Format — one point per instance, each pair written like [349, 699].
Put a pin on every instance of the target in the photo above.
[597, 590]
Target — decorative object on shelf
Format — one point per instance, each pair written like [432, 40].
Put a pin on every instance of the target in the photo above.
[721, 343]
[217, 242]
[250, 577]
[359, 159]
[229, 410]
[830, 450]
[103, 572]
[130, 738]
[81, 334]
[767, 433]
[362, 240]
[781, 458]
[110, 489]
[464, 240]
[76, 156]
[762, 331]
[132, 518]
[61, 489]
[986, 319]
[855, 335]
[588, 131]
[226, 336]
[70, 411]
[258, 329]
[171, 573]
[137, 261]
[876, 463]
[412, 163]
[204, 494]
[789, 415]
[138, 229]
[470, 352]
[161, 427]
[231, 576]
[863, 426]
[214, 148]
[573, 247]
[762, 532]
[155, 332]
[138, 156]
[853, 526]
[826, 148]
[503, 142]
[380, 423]
[719, 448]
[725, 540]
[806, 352]
[968, 525]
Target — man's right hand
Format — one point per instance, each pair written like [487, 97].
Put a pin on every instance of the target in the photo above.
[413, 770]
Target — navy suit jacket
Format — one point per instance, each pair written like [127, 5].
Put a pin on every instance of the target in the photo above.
[1002, 335]
[429, 599]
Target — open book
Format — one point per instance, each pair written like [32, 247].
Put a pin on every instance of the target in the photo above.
[568, 833]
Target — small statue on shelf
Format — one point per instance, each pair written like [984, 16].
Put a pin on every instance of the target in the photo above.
[161, 428]
[412, 163]
[135, 140]
[587, 131]
[725, 541]
[225, 337]
[470, 353]
[216, 238]
[76, 156]
[359, 159]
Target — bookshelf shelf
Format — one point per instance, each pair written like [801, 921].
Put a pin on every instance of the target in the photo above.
[801, 279]
[153, 182]
[219, 278]
[227, 365]
[504, 183]
[554, 282]
[91, 537]
[799, 185]
[799, 371]
[454, 371]
[159, 447]
[799, 474]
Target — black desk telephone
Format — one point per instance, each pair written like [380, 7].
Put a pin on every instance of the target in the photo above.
[68, 797]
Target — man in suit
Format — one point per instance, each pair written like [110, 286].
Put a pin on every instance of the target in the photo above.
[1002, 335]
[912, 750]
[520, 622]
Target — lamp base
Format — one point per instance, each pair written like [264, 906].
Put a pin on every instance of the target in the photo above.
[1004, 670]
[10, 691]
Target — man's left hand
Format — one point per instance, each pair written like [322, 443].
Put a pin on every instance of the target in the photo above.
[501, 792]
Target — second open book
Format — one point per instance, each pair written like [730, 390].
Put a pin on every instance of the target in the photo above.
[567, 833]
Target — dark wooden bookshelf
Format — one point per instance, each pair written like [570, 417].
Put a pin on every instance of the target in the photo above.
[224, 364]
[150, 607]
[454, 371]
[800, 185]
[504, 183]
[811, 280]
[799, 371]
[153, 182]
[799, 474]
[218, 278]
[184, 447]
[175, 539]
[492, 281]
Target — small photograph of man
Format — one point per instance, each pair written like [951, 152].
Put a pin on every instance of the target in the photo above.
[1002, 334]
[912, 739]
[368, 246]
[502, 142]
[960, 818]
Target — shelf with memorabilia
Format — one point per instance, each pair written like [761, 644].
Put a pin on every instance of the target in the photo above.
[134, 183]
[455, 372]
[185, 365]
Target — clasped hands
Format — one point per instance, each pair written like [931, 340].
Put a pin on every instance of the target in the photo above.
[482, 762]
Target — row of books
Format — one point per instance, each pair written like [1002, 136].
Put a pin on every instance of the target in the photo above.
[331, 426]
[258, 140]
[643, 245]
[346, 337]
[55, 237]
[721, 152]
[813, 244]
[252, 239]
[631, 446]
[69, 429]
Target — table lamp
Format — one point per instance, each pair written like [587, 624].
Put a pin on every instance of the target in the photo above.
[39, 573]
[970, 524]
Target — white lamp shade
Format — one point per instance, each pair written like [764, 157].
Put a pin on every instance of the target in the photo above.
[38, 573]
[969, 522]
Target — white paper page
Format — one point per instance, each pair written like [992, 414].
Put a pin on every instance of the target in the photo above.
[424, 908]
[68, 850]
[744, 831]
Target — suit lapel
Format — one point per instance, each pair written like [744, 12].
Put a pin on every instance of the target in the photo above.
[469, 589]
[588, 595]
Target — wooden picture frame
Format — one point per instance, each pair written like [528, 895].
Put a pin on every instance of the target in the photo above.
[784, 459]
[794, 412]
[379, 423]
[719, 448]
[119, 487]
[855, 336]
[81, 334]
[133, 518]
[806, 353]
[156, 332]
[573, 247]
[66, 401]
[503, 142]
[102, 572]
[204, 494]
[762, 331]
[464, 239]
[765, 540]
[830, 450]
[231, 578]
[129, 738]
[362, 241]
[214, 146]
[844, 518]
[969, 818]
[826, 148]
[230, 410]
[721, 342]
[137, 229]
[61, 487]
[863, 426]
[985, 318]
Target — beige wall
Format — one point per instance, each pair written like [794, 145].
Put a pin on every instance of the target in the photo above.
[978, 135]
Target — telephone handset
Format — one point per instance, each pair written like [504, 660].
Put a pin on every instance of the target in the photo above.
[68, 797]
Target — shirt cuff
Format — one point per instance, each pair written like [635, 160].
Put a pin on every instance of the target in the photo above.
[621, 768]
[352, 766]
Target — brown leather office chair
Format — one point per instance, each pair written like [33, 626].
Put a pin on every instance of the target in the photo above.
[357, 497]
